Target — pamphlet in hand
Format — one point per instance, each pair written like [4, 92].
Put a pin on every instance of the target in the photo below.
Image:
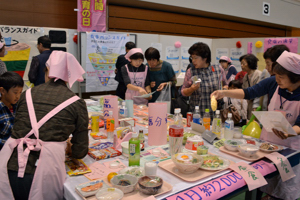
[274, 119]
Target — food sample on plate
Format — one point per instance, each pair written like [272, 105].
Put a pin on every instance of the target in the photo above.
[248, 150]
[125, 182]
[76, 166]
[150, 184]
[232, 145]
[187, 162]
[135, 171]
[99, 154]
[212, 162]
[270, 147]
[109, 194]
[90, 188]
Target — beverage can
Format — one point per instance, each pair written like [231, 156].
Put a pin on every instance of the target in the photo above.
[95, 123]
[189, 119]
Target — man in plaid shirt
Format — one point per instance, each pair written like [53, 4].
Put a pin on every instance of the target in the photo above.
[210, 76]
[11, 86]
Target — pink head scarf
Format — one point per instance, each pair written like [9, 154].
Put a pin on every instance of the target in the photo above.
[133, 51]
[290, 61]
[226, 59]
[64, 66]
[1, 45]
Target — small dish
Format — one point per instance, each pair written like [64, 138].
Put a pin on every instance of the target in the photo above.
[248, 150]
[213, 163]
[150, 185]
[90, 188]
[269, 147]
[187, 163]
[133, 170]
[125, 182]
[232, 145]
[109, 194]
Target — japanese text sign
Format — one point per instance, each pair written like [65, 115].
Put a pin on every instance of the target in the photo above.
[221, 186]
[291, 43]
[283, 165]
[158, 118]
[91, 15]
[253, 177]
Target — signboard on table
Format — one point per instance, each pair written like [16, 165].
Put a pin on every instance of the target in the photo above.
[102, 52]
[291, 43]
[91, 15]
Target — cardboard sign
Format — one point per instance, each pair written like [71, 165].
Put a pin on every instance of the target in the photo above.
[283, 165]
[253, 177]
[98, 171]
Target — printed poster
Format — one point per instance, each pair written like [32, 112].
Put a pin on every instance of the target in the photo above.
[235, 54]
[157, 46]
[184, 64]
[172, 53]
[221, 52]
[291, 43]
[23, 41]
[175, 65]
[185, 53]
[102, 52]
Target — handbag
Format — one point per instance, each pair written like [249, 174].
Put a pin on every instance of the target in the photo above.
[235, 114]
[181, 102]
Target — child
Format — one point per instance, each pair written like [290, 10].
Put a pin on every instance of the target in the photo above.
[240, 104]
[11, 86]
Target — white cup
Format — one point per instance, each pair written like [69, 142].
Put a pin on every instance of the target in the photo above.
[150, 168]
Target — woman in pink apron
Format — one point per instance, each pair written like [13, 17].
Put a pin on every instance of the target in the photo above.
[285, 98]
[136, 78]
[229, 70]
[32, 160]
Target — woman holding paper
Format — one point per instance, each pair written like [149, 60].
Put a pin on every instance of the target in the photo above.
[136, 77]
[284, 92]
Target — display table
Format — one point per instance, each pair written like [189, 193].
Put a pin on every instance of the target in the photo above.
[178, 184]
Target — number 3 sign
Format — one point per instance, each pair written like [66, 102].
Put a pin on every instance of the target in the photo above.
[266, 9]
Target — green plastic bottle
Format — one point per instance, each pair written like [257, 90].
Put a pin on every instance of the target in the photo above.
[134, 150]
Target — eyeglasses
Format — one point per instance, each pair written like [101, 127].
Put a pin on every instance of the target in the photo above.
[194, 58]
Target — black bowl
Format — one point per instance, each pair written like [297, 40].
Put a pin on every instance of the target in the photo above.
[150, 184]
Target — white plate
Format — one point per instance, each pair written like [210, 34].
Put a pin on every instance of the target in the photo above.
[269, 151]
[226, 164]
[134, 170]
[86, 194]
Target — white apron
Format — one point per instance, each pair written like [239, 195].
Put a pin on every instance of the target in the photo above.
[289, 190]
[50, 172]
[137, 79]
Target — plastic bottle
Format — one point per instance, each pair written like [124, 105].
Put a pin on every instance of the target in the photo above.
[197, 116]
[134, 150]
[110, 127]
[217, 124]
[206, 120]
[229, 125]
[176, 133]
[142, 139]
[177, 117]
[123, 110]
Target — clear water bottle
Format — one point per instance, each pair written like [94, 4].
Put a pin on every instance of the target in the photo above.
[197, 116]
[229, 125]
[176, 133]
[123, 110]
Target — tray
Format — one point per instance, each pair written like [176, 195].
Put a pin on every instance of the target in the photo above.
[170, 167]
[166, 187]
[259, 154]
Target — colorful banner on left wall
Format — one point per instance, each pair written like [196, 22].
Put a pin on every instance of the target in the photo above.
[91, 15]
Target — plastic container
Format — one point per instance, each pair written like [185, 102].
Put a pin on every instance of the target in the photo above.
[217, 124]
[229, 125]
[110, 127]
[134, 150]
[176, 133]
[197, 116]
[123, 110]
[206, 120]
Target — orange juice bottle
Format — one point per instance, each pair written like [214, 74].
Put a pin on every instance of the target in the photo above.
[110, 127]
[206, 120]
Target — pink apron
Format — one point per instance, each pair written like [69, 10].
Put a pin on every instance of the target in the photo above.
[50, 172]
[137, 79]
[292, 109]
[288, 190]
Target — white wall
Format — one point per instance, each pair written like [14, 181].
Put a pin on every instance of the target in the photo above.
[282, 12]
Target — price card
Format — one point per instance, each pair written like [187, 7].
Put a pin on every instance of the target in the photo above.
[253, 177]
[283, 165]
[98, 171]
[219, 143]
[209, 136]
